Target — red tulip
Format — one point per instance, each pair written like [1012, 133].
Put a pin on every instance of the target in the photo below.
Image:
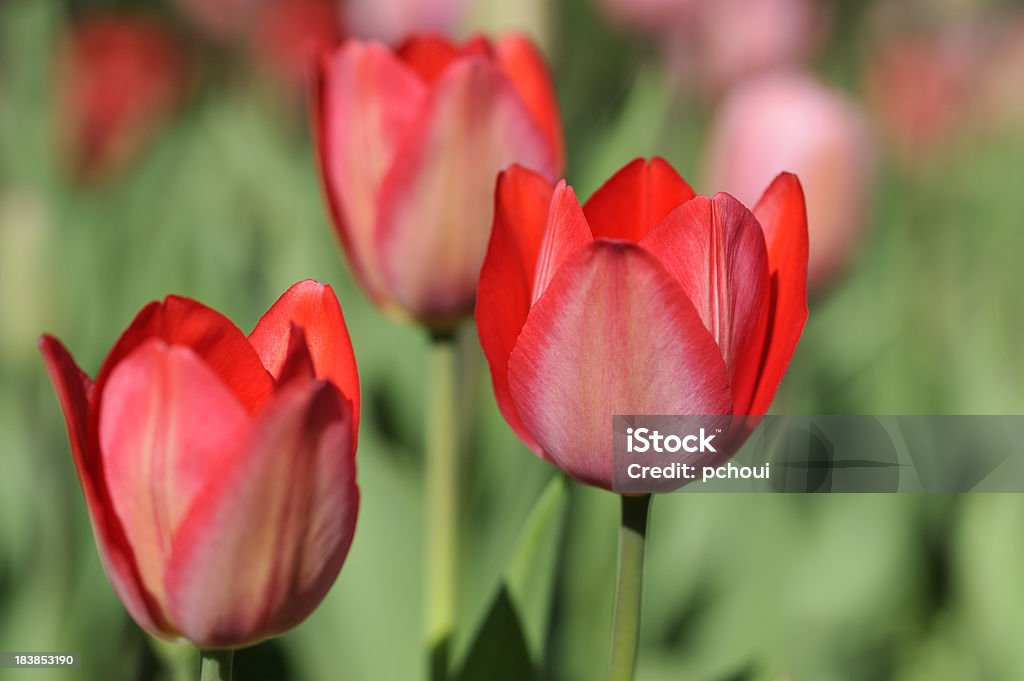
[117, 81]
[219, 470]
[647, 300]
[410, 142]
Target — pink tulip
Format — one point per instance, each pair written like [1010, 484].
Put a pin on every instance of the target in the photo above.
[219, 470]
[790, 122]
[410, 144]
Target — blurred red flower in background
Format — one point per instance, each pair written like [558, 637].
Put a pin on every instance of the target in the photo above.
[647, 300]
[117, 80]
[410, 144]
[288, 34]
[219, 470]
[789, 121]
[921, 86]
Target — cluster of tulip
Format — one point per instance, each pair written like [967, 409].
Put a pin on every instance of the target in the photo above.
[219, 468]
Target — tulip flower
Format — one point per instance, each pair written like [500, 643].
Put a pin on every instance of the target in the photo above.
[117, 80]
[789, 121]
[647, 300]
[219, 470]
[410, 142]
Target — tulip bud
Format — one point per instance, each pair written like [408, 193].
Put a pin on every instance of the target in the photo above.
[647, 300]
[117, 81]
[790, 122]
[410, 142]
[219, 470]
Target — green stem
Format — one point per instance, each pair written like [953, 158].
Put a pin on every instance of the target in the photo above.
[442, 474]
[215, 665]
[629, 589]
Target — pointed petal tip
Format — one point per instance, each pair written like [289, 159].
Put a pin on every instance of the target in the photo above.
[636, 198]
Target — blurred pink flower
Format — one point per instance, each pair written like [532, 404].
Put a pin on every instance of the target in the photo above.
[788, 121]
[117, 79]
[392, 20]
[717, 42]
[732, 39]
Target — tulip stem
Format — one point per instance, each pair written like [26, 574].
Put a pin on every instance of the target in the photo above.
[215, 665]
[442, 474]
[629, 588]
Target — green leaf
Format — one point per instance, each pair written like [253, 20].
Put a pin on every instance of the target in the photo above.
[500, 651]
[531, 573]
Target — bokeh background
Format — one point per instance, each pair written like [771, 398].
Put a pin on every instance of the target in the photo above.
[157, 147]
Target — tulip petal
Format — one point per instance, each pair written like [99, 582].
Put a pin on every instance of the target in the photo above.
[262, 545]
[528, 71]
[635, 199]
[212, 336]
[436, 204]
[313, 307]
[783, 217]
[428, 55]
[74, 391]
[167, 424]
[567, 232]
[614, 334]
[715, 250]
[366, 98]
[506, 278]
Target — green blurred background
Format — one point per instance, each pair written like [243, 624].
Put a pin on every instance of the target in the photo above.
[224, 205]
